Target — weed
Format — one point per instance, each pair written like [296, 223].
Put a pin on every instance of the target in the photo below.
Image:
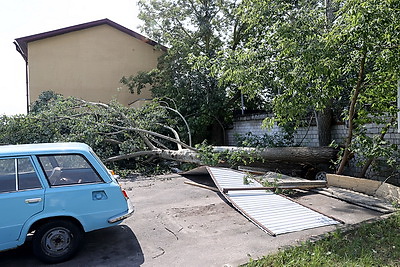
[375, 244]
[248, 179]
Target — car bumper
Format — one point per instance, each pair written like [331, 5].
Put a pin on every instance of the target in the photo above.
[124, 215]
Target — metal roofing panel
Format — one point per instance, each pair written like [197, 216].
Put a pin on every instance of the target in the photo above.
[273, 213]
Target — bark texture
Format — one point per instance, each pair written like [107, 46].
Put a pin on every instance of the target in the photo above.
[310, 155]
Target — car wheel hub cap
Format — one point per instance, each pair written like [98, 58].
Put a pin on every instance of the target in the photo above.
[57, 241]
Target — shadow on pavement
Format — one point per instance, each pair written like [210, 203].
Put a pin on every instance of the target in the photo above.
[111, 246]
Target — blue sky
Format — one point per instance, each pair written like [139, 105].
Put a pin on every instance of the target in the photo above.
[21, 18]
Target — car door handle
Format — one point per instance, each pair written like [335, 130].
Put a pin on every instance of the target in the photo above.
[33, 200]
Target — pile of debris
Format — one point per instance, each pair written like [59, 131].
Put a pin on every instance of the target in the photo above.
[252, 193]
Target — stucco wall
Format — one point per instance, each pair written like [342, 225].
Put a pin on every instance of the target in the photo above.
[89, 64]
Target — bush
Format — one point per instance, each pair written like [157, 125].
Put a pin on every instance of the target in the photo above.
[266, 140]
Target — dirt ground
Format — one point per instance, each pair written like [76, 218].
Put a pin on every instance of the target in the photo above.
[176, 224]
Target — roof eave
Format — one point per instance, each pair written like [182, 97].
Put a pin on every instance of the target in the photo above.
[22, 42]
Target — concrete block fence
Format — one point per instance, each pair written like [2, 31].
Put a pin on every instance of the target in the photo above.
[308, 137]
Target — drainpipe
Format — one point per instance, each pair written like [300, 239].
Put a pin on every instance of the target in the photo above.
[26, 73]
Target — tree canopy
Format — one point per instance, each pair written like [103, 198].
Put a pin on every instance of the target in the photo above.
[191, 29]
[305, 58]
[317, 56]
[112, 130]
[142, 139]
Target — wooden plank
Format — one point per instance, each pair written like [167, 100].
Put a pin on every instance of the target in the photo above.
[357, 198]
[361, 185]
[273, 188]
[320, 183]
[253, 170]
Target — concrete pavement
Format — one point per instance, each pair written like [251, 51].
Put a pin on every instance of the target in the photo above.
[176, 224]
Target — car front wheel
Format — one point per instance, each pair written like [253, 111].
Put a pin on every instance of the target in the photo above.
[57, 241]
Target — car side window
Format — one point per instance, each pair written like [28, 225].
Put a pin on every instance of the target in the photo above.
[17, 174]
[68, 169]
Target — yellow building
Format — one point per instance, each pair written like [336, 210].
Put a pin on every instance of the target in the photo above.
[87, 61]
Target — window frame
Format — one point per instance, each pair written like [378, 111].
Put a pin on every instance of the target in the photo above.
[17, 187]
[53, 160]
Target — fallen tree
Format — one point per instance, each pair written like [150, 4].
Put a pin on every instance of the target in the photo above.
[286, 154]
[311, 155]
[118, 133]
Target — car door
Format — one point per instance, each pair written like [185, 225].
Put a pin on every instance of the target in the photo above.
[77, 189]
[21, 197]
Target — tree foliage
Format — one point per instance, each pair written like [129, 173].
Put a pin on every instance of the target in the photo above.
[112, 130]
[369, 30]
[132, 137]
[310, 56]
[191, 29]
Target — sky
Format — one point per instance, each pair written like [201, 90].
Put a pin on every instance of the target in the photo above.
[20, 18]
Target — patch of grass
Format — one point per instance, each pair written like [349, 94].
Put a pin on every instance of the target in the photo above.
[374, 244]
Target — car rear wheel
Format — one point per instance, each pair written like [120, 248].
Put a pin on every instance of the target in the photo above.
[57, 241]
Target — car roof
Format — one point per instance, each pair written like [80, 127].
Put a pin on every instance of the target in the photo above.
[43, 148]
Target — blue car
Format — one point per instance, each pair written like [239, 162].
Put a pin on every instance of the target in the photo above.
[55, 193]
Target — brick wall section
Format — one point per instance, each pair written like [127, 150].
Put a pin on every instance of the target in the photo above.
[309, 137]
[252, 123]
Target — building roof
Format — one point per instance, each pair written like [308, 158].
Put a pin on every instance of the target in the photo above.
[22, 42]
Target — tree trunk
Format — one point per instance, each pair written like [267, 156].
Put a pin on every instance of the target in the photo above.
[329, 13]
[324, 125]
[287, 154]
[352, 112]
[324, 117]
[311, 155]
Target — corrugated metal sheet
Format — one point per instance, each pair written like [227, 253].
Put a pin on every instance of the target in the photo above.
[273, 213]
